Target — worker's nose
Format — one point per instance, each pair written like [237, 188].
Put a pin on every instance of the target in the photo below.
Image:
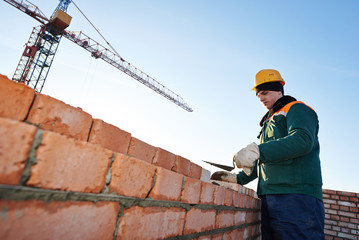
[261, 98]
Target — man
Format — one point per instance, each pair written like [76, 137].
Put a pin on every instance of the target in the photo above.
[286, 163]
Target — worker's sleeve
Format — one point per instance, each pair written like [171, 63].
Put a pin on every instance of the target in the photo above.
[242, 177]
[302, 127]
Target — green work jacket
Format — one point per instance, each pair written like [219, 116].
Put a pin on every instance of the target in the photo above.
[289, 153]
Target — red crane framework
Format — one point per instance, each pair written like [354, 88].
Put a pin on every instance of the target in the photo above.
[42, 45]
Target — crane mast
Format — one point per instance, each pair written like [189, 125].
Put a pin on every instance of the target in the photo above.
[40, 50]
[63, 5]
[44, 40]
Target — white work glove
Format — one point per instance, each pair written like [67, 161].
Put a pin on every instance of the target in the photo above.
[224, 176]
[246, 157]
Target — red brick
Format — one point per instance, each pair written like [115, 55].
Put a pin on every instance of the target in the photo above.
[237, 234]
[328, 191]
[252, 205]
[68, 164]
[335, 197]
[192, 191]
[329, 232]
[15, 143]
[351, 194]
[206, 237]
[251, 193]
[244, 190]
[325, 195]
[141, 150]
[198, 220]
[252, 217]
[224, 219]
[247, 203]
[207, 193]
[335, 228]
[228, 197]
[333, 206]
[251, 231]
[347, 236]
[249, 217]
[151, 223]
[344, 198]
[347, 225]
[334, 217]
[330, 211]
[343, 208]
[168, 185]
[15, 99]
[330, 201]
[56, 116]
[131, 177]
[240, 217]
[195, 171]
[58, 220]
[164, 159]
[182, 165]
[242, 201]
[217, 236]
[230, 235]
[219, 195]
[346, 214]
[109, 136]
[346, 203]
[236, 199]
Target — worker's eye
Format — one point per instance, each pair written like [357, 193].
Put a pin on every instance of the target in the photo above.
[262, 93]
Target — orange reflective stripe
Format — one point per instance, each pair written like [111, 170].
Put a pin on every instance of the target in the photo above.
[289, 105]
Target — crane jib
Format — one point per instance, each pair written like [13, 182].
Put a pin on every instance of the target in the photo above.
[118, 62]
[41, 48]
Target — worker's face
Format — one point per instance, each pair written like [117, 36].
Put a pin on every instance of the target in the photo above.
[268, 98]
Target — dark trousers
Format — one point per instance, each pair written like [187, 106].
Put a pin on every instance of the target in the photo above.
[292, 216]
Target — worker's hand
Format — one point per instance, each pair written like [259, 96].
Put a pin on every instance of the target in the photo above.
[224, 176]
[246, 156]
[247, 170]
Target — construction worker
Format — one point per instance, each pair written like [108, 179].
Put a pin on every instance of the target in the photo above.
[286, 163]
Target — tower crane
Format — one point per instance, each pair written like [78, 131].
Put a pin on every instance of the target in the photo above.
[44, 40]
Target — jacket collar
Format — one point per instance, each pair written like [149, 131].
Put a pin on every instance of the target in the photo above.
[281, 102]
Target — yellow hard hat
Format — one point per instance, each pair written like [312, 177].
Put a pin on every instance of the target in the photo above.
[267, 75]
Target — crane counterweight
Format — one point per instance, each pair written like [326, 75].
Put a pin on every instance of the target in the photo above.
[60, 20]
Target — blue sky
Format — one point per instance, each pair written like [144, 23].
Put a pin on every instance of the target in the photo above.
[208, 52]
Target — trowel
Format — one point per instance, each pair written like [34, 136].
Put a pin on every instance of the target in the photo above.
[224, 167]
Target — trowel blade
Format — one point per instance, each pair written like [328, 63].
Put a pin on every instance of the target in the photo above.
[224, 167]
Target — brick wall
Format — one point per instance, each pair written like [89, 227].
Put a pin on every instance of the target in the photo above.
[64, 175]
[341, 215]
